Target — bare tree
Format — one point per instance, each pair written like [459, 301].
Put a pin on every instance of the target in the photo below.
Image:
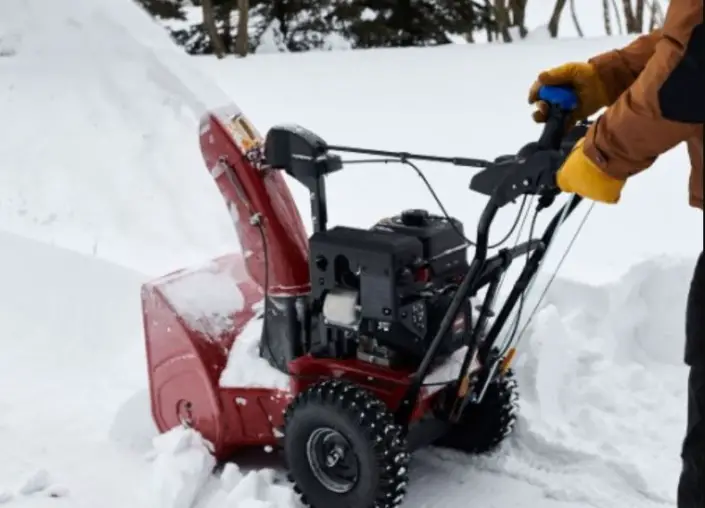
[634, 18]
[556, 17]
[501, 12]
[489, 26]
[211, 27]
[606, 17]
[574, 16]
[618, 16]
[242, 41]
[640, 14]
[518, 10]
[656, 14]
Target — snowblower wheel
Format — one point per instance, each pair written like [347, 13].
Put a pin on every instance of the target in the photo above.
[483, 427]
[342, 448]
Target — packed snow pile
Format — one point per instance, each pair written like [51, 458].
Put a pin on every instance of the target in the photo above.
[603, 389]
[71, 353]
[182, 466]
[245, 366]
[206, 297]
[37, 484]
[101, 151]
[183, 476]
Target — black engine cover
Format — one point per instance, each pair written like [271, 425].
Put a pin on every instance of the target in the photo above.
[412, 335]
[444, 246]
[371, 302]
[375, 263]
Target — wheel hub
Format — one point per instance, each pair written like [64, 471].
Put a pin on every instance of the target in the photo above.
[332, 460]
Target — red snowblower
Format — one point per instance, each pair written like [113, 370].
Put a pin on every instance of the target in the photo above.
[349, 349]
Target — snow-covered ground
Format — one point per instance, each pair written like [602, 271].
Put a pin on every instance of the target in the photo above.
[100, 158]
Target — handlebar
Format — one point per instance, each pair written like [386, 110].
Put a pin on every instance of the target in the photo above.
[532, 170]
[307, 158]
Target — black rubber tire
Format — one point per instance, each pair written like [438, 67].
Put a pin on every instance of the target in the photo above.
[377, 443]
[483, 427]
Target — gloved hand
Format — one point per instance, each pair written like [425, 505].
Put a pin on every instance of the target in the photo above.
[581, 176]
[583, 78]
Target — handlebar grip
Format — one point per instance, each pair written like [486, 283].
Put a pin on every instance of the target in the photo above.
[562, 96]
[561, 100]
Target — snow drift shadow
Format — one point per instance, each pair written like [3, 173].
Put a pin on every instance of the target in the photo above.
[133, 426]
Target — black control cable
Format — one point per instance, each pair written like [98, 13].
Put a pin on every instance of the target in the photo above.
[432, 191]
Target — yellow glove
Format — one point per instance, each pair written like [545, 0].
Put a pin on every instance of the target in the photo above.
[581, 176]
[583, 78]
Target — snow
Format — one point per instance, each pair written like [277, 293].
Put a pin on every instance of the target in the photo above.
[206, 298]
[246, 368]
[115, 182]
[181, 468]
[92, 179]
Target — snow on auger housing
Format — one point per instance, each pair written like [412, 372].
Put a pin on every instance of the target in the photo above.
[354, 347]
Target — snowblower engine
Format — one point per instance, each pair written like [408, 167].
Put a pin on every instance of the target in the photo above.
[377, 294]
[381, 293]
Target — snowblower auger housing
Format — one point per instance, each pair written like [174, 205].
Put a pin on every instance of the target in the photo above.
[352, 347]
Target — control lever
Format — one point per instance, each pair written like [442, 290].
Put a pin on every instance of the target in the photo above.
[532, 170]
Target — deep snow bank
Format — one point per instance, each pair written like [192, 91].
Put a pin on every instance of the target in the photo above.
[603, 398]
[99, 134]
[71, 351]
[604, 388]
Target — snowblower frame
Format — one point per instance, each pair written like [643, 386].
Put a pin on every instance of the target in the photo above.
[308, 159]
[196, 319]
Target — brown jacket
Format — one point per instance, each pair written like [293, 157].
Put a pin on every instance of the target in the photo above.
[657, 88]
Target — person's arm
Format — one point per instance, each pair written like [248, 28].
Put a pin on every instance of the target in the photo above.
[619, 68]
[663, 106]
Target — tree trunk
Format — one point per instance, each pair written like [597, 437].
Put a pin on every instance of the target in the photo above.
[242, 43]
[630, 17]
[606, 17]
[209, 22]
[489, 25]
[502, 16]
[518, 9]
[656, 16]
[640, 15]
[618, 16]
[556, 17]
[574, 16]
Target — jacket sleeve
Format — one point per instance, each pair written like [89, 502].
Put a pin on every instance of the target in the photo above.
[619, 68]
[664, 104]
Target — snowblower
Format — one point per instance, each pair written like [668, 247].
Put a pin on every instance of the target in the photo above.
[349, 349]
